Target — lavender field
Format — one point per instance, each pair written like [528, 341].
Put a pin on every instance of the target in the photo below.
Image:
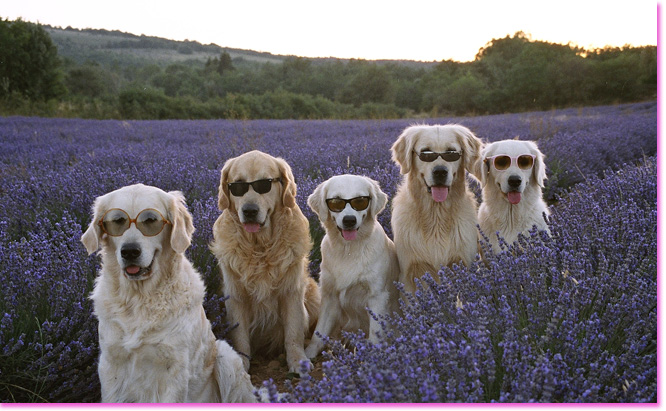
[567, 318]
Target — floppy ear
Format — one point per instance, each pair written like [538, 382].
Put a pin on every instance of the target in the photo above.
[539, 171]
[223, 191]
[403, 147]
[471, 146]
[182, 228]
[93, 234]
[379, 198]
[317, 201]
[288, 184]
[482, 167]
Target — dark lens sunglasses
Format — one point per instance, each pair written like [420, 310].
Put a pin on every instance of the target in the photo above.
[338, 204]
[150, 222]
[502, 162]
[430, 156]
[264, 186]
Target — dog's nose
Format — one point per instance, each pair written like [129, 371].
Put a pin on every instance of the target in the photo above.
[439, 174]
[130, 251]
[250, 211]
[349, 221]
[515, 181]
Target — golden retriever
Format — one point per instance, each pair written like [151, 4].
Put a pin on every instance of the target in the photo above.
[512, 174]
[434, 213]
[262, 242]
[155, 340]
[359, 264]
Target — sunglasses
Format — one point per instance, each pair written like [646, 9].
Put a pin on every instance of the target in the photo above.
[239, 189]
[149, 222]
[338, 204]
[430, 156]
[502, 162]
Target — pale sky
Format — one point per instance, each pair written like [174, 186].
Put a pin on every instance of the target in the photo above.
[424, 30]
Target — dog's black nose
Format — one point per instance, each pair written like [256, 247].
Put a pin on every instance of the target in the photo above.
[348, 221]
[130, 251]
[439, 174]
[250, 212]
[515, 181]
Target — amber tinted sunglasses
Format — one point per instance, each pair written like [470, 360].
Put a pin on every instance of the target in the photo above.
[357, 203]
[502, 162]
[149, 222]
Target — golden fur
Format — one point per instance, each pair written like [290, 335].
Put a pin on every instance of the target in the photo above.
[265, 273]
[156, 344]
[430, 234]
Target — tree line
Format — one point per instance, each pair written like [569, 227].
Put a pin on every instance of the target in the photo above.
[509, 74]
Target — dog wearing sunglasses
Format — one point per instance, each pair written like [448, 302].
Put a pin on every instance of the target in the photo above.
[434, 213]
[512, 174]
[262, 243]
[359, 264]
[156, 344]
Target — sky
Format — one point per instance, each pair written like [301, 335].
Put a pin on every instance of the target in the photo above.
[425, 30]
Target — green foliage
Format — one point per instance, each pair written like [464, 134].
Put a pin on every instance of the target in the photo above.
[120, 75]
[29, 62]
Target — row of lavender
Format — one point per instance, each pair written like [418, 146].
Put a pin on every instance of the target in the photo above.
[52, 169]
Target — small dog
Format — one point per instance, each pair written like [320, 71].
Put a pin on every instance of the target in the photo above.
[262, 242]
[434, 213]
[512, 174]
[359, 264]
[155, 340]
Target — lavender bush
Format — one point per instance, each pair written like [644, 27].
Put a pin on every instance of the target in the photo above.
[52, 169]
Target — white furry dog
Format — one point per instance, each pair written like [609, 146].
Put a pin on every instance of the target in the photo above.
[434, 213]
[359, 264]
[155, 340]
[512, 174]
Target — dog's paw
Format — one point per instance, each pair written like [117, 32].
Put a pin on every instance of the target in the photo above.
[301, 366]
[312, 351]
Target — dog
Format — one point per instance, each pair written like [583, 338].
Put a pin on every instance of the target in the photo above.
[434, 214]
[512, 174]
[155, 340]
[359, 264]
[262, 242]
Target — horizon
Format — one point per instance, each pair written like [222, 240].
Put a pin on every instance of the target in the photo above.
[387, 32]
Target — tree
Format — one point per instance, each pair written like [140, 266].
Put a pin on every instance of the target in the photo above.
[29, 63]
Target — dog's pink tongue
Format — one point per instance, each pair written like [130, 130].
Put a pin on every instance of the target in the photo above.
[252, 227]
[349, 235]
[439, 194]
[513, 196]
[132, 269]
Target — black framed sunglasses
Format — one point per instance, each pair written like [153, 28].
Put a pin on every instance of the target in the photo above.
[428, 156]
[263, 186]
[149, 222]
[357, 203]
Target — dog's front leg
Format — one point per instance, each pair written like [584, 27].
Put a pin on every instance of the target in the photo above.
[329, 317]
[294, 320]
[240, 336]
[379, 305]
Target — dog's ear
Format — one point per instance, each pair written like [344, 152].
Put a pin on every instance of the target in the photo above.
[91, 238]
[223, 201]
[482, 167]
[317, 201]
[182, 228]
[379, 198]
[288, 184]
[539, 171]
[403, 147]
[471, 145]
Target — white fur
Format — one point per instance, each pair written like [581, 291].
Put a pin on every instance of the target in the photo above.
[497, 216]
[430, 234]
[155, 341]
[358, 273]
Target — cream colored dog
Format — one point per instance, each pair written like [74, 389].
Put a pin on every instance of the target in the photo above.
[434, 213]
[512, 175]
[155, 340]
[359, 264]
[262, 242]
